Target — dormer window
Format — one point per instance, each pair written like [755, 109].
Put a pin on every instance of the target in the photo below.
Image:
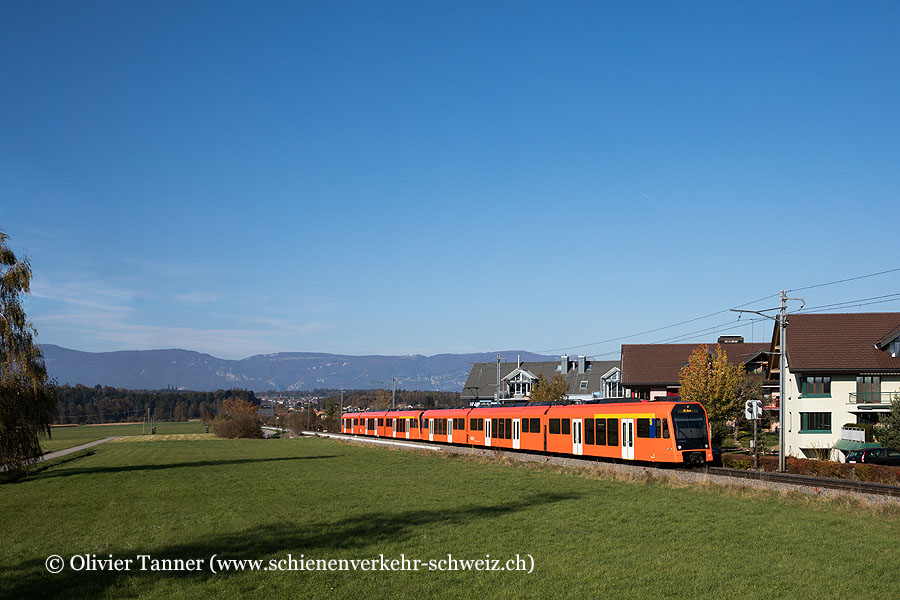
[895, 348]
[583, 385]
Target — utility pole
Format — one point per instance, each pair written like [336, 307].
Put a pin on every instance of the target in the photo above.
[342, 403]
[782, 361]
[393, 392]
[497, 395]
[781, 319]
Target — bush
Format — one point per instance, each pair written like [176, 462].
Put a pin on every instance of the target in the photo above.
[238, 419]
[737, 461]
[818, 468]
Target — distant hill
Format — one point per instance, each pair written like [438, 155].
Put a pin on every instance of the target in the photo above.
[185, 369]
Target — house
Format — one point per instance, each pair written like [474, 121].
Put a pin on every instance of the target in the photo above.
[587, 379]
[651, 370]
[842, 370]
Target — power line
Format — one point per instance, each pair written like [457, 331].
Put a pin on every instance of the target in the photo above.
[818, 285]
[848, 303]
[625, 337]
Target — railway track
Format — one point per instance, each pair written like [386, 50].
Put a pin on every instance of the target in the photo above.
[859, 487]
[805, 483]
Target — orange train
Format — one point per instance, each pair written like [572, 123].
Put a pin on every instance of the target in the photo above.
[659, 431]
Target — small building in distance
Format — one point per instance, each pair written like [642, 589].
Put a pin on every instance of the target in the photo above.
[651, 370]
[587, 379]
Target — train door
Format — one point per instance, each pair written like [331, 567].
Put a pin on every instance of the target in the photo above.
[450, 430]
[628, 439]
[430, 430]
[487, 432]
[517, 424]
[577, 442]
[394, 428]
[408, 427]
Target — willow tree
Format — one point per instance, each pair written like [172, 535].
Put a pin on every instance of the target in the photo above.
[27, 399]
[711, 380]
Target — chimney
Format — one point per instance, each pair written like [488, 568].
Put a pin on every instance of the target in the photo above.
[518, 361]
[731, 339]
[564, 364]
[581, 364]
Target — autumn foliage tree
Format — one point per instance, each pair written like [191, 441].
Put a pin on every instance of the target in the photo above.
[553, 390]
[237, 419]
[27, 398]
[711, 380]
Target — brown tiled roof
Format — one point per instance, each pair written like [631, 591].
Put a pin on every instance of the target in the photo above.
[659, 364]
[840, 342]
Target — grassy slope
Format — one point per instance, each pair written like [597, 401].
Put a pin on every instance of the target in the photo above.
[66, 437]
[262, 499]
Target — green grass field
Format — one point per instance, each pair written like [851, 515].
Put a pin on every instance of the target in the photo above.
[590, 537]
[66, 437]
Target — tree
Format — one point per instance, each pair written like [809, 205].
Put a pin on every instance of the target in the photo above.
[888, 431]
[238, 419]
[554, 390]
[711, 380]
[27, 398]
[382, 400]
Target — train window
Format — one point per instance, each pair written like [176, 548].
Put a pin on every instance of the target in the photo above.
[535, 425]
[666, 428]
[500, 430]
[473, 424]
[554, 425]
[509, 429]
[525, 426]
[643, 428]
[588, 431]
[494, 428]
[612, 432]
[566, 426]
[601, 432]
[381, 422]
[657, 430]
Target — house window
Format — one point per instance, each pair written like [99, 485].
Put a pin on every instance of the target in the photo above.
[815, 422]
[895, 348]
[868, 389]
[816, 386]
[583, 385]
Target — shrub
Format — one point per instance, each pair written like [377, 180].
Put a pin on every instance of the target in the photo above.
[737, 461]
[237, 419]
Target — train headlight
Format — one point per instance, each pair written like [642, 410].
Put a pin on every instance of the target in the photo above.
[679, 447]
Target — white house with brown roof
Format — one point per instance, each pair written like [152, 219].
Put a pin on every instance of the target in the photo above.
[842, 370]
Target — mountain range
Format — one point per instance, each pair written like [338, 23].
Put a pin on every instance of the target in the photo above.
[283, 371]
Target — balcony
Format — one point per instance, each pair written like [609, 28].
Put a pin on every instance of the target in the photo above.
[853, 434]
[879, 399]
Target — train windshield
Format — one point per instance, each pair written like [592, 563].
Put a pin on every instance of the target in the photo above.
[689, 423]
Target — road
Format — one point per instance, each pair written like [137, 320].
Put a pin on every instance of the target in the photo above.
[59, 453]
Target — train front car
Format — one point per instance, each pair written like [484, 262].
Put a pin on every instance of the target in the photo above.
[691, 431]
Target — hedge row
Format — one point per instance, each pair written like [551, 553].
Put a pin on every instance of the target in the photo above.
[818, 468]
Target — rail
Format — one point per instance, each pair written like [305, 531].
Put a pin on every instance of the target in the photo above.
[860, 487]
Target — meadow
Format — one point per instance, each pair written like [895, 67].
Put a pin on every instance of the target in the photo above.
[589, 535]
[67, 437]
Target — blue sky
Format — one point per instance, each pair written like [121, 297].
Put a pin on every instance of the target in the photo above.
[425, 177]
